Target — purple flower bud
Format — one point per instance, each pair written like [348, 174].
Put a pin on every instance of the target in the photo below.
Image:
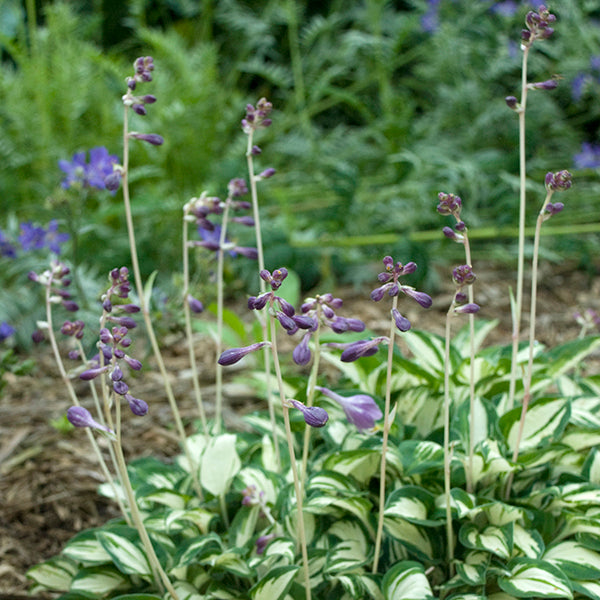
[408, 268]
[286, 322]
[550, 84]
[129, 308]
[452, 235]
[467, 308]
[81, 417]
[421, 297]
[246, 222]
[37, 337]
[93, 373]
[259, 302]
[112, 181]
[233, 355]
[286, 307]
[151, 138]
[402, 323]
[116, 374]
[512, 103]
[460, 297]
[388, 262]
[360, 410]
[356, 350]
[127, 322]
[305, 322]
[555, 208]
[138, 407]
[133, 363]
[139, 109]
[313, 415]
[195, 305]
[105, 336]
[74, 354]
[267, 173]
[120, 387]
[339, 325]
[70, 305]
[263, 541]
[301, 354]
[378, 293]
[463, 275]
[148, 99]
[327, 311]
[255, 150]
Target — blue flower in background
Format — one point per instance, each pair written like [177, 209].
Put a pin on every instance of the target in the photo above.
[5, 331]
[80, 173]
[6, 247]
[585, 79]
[53, 239]
[589, 157]
[32, 237]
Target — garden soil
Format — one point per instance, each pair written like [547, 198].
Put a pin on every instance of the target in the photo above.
[49, 479]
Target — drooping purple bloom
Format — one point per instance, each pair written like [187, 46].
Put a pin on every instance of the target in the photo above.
[233, 355]
[81, 417]
[360, 410]
[314, 416]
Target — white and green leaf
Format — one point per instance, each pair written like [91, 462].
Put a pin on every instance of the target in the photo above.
[530, 578]
[220, 464]
[406, 581]
[127, 556]
[275, 584]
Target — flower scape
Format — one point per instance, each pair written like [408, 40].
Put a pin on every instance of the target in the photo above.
[395, 464]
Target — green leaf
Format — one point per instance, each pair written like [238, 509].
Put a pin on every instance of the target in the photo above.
[128, 557]
[419, 457]
[567, 356]
[473, 570]
[86, 548]
[590, 589]
[531, 578]
[55, 574]
[574, 560]
[529, 541]
[428, 349]
[137, 597]
[462, 340]
[411, 503]
[166, 497]
[413, 537]
[198, 516]
[345, 556]
[148, 287]
[545, 420]
[98, 581]
[193, 550]
[220, 463]
[243, 525]
[497, 540]
[361, 464]
[275, 584]
[406, 581]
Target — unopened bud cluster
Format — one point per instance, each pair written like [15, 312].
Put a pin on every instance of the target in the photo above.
[56, 279]
[538, 25]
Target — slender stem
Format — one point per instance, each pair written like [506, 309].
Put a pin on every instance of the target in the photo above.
[262, 320]
[290, 442]
[220, 267]
[146, 312]
[447, 456]
[532, 318]
[310, 395]
[386, 431]
[521, 248]
[188, 328]
[71, 390]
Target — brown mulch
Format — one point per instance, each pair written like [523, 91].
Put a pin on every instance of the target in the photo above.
[49, 479]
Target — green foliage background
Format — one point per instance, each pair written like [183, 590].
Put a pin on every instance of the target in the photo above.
[374, 117]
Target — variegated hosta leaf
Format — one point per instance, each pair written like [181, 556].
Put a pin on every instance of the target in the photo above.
[362, 464]
[575, 560]
[406, 581]
[419, 457]
[585, 412]
[243, 525]
[359, 586]
[86, 549]
[498, 513]
[263, 482]
[576, 495]
[55, 574]
[461, 504]
[128, 557]
[591, 467]
[545, 420]
[200, 517]
[473, 570]
[531, 578]
[336, 506]
[466, 597]
[567, 356]
[332, 481]
[346, 555]
[485, 420]
[193, 550]
[99, 581]
[416, 539]
[589, 589]
[528, 541]
[412, 504]
[275, 584]
[497, 540]
[220, 464]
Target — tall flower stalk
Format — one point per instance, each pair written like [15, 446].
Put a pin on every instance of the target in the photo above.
[462, 276]
[555, 182]
[255, 119]
[451, 205]
[279, 310]
[143, 73]
[538, 28]
[392, 287]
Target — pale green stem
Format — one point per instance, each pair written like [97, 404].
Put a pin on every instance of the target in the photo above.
[447, 456]
[158, 573]
[384, 445]
[262, 321]
[290, 443]
[220, 265]
[146, 312]
[310, 396]
[71, 390]
[516, 332]
[532, 318]
[188, 328]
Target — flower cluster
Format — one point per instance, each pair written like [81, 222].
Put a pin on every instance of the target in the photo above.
[257, 118]
[56, 279]
[538, 26]
[462, 277]
[588, 158]
[114, 342]
[73, 329]
[143, 67]
[34, 237]
[320, 312]
[101, 172]
[589, 320]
